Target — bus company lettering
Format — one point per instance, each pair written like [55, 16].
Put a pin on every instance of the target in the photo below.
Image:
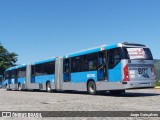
[91, 75]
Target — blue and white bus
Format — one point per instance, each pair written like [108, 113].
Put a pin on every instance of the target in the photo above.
[113, 68]
[14, 77]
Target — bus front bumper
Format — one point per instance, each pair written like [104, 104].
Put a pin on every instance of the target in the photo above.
[138, 84]
[104, 85]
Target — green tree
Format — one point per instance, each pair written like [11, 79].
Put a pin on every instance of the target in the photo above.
[7, 59]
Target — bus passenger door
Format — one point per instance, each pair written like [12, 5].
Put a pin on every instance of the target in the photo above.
[102, 66]
[32, 74]
[66, 70]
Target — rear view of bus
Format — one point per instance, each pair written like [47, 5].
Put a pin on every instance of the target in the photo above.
[137, 66]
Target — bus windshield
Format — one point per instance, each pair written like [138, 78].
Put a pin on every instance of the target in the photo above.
[137, 53]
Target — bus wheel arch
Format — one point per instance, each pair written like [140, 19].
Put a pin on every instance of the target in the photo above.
[91, 87]
[48, 86]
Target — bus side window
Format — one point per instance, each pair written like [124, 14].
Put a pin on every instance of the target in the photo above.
[49, 68]
[85, 63]
[114, 58]
[76, 64]
[92, 59]
[7, 75]
[22, 72]
[101, 60]
[39, 69]
[148, 54]
[33, 70]
[14, 73]
[66, 65]
[90, 62]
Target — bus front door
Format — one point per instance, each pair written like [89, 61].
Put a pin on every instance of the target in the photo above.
[102, 66]
[66, 70]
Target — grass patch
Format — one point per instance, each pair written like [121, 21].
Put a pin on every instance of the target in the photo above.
[158, 83]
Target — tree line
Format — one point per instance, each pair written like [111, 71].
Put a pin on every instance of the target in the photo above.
[7, 59]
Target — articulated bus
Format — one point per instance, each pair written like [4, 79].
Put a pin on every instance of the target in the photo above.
[113, 68]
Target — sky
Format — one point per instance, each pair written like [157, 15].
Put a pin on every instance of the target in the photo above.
[41, 29]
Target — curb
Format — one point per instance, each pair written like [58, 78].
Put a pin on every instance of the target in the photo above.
[157, 87]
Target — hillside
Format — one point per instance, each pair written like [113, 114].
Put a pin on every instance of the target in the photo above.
[157, 67]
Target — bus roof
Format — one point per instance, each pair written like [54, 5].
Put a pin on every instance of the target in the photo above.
[44, 61]
[102, 47]
[91, 50]
[24, 65]
[132, 44]
[15, 67]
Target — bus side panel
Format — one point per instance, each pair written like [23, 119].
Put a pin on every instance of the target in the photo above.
[75, 86]
[83, 76]
[115, 74]
[39, 82]
[21, 80]
[44, 78]
[79, 80]
[104, 85]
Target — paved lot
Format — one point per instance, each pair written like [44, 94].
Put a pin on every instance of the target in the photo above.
[132, 100]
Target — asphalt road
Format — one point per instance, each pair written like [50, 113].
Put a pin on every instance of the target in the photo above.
[132, 100]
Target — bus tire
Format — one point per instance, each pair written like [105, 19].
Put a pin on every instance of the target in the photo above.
[7, 87]
[91, 88]
[48, 87]
[19, 87]
[117, 92]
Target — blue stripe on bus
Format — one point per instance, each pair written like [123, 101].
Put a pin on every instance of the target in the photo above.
[42, 78]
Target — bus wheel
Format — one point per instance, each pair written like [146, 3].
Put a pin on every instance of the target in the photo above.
[48, 87]
[6, 87]
[19, 87]
[91, 87]
[117, 92]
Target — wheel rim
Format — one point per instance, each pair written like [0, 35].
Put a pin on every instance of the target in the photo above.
[6, 87]
[48, 87]
[19, 87]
